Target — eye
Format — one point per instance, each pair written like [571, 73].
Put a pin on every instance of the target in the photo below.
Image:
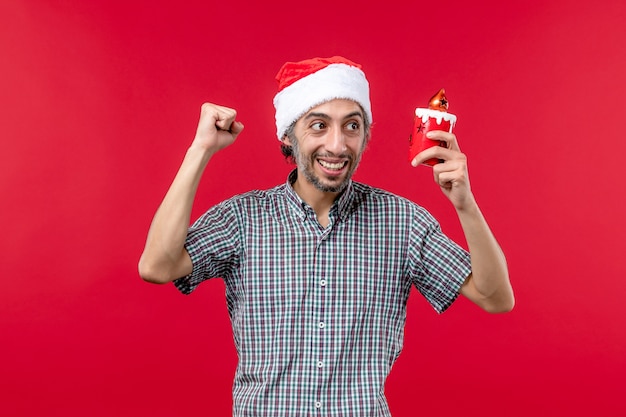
[318, 125]
[352, 126]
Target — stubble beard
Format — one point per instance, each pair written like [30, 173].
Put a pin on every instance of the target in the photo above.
[305, 166]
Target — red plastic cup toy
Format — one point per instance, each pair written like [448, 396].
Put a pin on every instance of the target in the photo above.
[435, 117]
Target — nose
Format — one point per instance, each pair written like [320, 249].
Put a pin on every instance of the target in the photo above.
[336, 142]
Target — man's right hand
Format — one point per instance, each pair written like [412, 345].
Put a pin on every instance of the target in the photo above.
[217, 128]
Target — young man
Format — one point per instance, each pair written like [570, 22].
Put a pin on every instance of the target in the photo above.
[318, 270]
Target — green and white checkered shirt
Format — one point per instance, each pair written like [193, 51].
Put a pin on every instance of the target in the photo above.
[318, 313]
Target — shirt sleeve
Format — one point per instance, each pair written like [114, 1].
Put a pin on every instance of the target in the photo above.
[213, 244]
[438, 265]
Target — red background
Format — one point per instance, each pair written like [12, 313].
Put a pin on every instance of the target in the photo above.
[100, 99]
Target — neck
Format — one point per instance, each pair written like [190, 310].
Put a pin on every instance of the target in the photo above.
[315, 198]
[320, 201]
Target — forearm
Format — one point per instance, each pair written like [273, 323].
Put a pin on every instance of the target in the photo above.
[489, 284]
[164, 257]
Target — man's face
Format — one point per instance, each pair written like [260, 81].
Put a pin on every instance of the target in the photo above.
[328, 144]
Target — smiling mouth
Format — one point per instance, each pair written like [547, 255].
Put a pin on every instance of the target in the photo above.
[335, 166]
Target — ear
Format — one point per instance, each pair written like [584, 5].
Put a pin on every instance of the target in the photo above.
[286, 140]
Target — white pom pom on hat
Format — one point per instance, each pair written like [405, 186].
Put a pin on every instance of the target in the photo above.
[305, 84]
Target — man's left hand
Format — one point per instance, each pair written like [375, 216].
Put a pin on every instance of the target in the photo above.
[451, 174]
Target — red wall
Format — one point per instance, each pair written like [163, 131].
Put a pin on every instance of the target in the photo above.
[99, 100]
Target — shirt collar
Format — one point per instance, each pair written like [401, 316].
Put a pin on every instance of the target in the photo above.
[342, 205]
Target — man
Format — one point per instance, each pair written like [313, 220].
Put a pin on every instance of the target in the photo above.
[318, 270]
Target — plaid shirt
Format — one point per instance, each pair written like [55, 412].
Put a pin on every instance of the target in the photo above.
[318, 313]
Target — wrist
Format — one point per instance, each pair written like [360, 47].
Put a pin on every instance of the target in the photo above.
[198, 157]
[199, 150]
[468, 206]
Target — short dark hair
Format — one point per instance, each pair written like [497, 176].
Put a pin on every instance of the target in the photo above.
[287, 150]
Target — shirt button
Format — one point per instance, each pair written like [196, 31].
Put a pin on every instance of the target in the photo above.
[318, 404]
[322, 324]
[323, 282]
[320, 364]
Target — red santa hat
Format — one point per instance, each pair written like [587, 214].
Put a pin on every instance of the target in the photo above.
[309, 83]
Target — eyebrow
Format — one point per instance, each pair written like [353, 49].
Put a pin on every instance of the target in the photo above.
[327, 117]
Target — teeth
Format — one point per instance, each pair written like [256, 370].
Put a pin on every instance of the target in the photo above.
[328, 165]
